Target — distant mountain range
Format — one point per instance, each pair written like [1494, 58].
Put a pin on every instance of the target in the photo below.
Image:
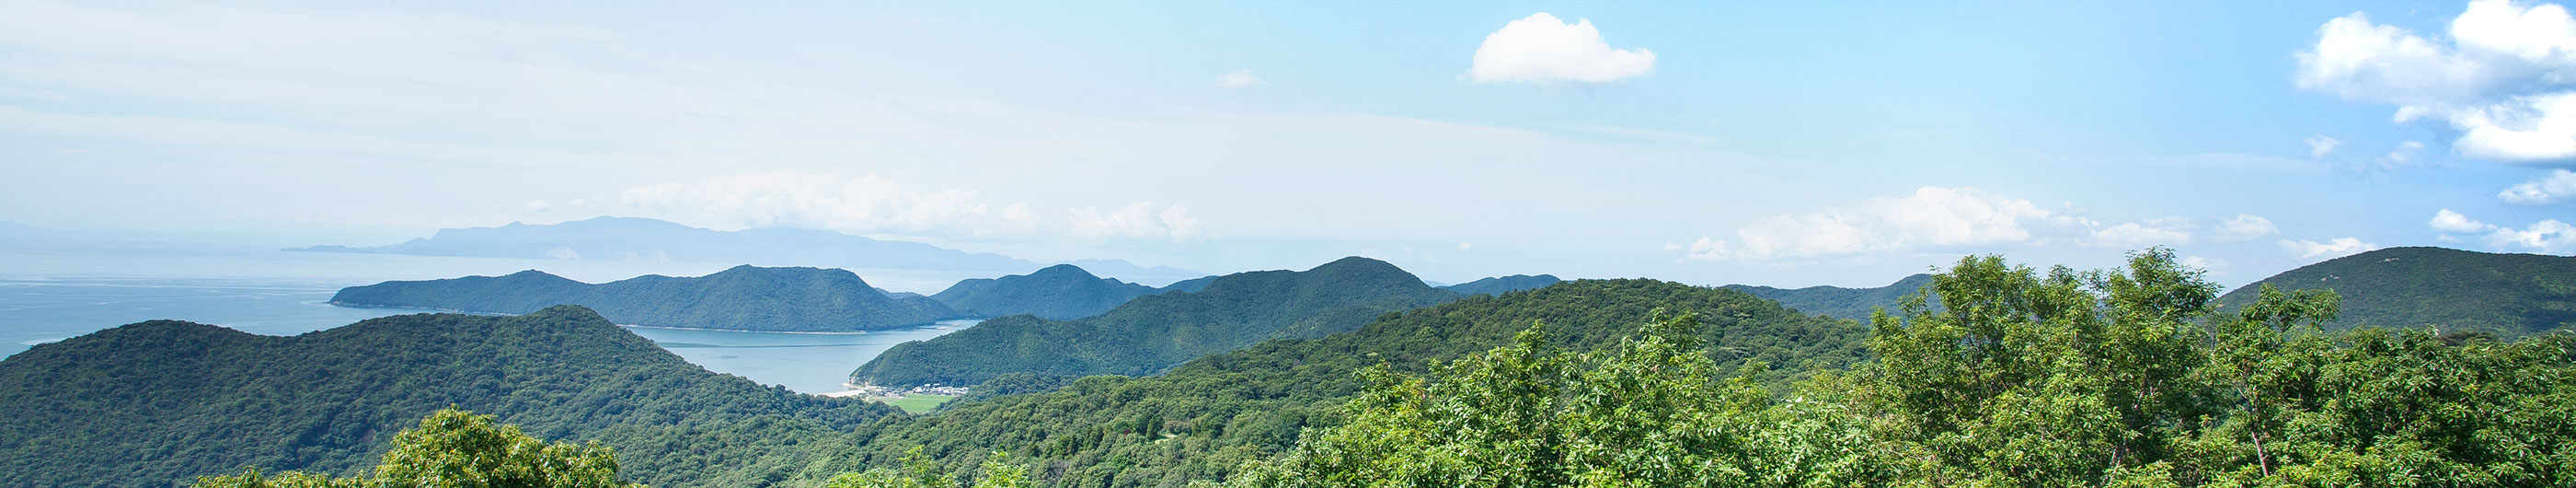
[1839, 302]
[1061, 292]
[641, 239]
[2509, 295]
[1154, 332]
[155, 404]
[742, 298]
[1503, 284]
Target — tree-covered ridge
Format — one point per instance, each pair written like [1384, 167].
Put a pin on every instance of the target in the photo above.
[1154, 332]
[156, 403]
[1060, 292]
[1203, 419]
[1190, 285]
[1503, 284]
[1839, 302]
[2118, 378]
[741, 298]
[2509, 295]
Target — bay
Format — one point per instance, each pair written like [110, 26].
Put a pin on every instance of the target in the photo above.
[51, 293]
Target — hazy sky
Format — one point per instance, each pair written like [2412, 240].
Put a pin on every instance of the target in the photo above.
[1776, 143]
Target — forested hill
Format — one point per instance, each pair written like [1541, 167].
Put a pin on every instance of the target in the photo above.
[1061, 292]
[1154, 332]
[155, 403]
[2509, 295]
[742, 298]
[1503, 284]
[1203, 419]
[1839, 302]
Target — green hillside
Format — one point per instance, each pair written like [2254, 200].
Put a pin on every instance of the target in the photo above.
[741, 298]
[156, 403]
[2510, 295]
[1503, 284]
[1205, 417]
[1839, 302]
[1060, 292]
[1154, 332]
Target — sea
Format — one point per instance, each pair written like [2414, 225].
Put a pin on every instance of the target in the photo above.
[50, 291]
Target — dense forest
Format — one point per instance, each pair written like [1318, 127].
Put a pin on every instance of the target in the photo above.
[741, 298]
[2509, 295]
[156, 403]
[1154, 332]
[1059, 292]
[1201, 420]
[2127, 377]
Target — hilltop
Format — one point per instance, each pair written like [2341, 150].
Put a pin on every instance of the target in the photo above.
[2510, 295]
[1060, 292]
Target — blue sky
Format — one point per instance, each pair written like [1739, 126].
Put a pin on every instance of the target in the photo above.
[1773, 143]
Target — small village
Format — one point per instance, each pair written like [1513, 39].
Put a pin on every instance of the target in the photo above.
[887, 392]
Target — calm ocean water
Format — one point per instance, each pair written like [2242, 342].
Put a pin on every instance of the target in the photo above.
[50, 293]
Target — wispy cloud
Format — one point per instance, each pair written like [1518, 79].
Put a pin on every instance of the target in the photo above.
[1940, 218]
[1238, 79]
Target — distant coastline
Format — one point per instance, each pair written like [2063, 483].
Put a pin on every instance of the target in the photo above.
[665, 327]
[337, 303]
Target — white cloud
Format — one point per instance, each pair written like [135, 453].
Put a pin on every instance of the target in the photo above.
[1136, 220]
[2452, 222]
[2501, 79]
[1705, 249]
[2334, 248]
[1931, 217]
[2558, 186]
[1544, 49]
[1465, 246]
[1238, 79]
[2213, 266]
[2319, 145]
[2546, 236]
[1936, 218]
[2243, 228]
[539, 205]
[2156, 231]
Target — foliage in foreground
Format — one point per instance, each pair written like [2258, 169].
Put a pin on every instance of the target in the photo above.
[458, 449]
[2110, 378]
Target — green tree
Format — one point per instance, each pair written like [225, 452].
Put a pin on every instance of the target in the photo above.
[919, 471]
[458, 449]
[1652, 410]
[2070, 378]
